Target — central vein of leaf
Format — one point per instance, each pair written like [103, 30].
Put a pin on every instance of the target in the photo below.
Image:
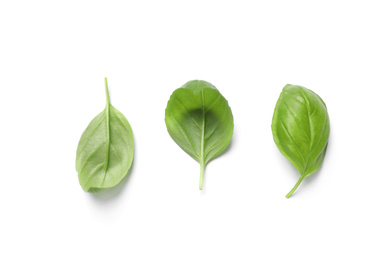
[203, 129]
[202, 159]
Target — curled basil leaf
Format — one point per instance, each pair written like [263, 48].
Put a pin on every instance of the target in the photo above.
[200, 121]
[300, 127]
[105, 150]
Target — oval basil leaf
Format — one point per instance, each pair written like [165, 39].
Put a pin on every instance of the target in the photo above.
[200, 121]
[105, 150]
[300, 127]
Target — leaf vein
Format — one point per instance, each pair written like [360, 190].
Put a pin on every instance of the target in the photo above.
[120, 120]
[188, 112]
[89, 137]
[295, 144]
[185, 134]
[319, 138]
[86, 161]
[295, 120]
[120, 134]
[216, 143]
[117, 154]
[214, 102]
[93, 172]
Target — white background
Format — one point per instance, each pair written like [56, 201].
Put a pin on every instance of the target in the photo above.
[54, 56]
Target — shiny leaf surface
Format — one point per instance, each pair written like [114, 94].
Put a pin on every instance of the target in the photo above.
[300, 127]
[200, 121]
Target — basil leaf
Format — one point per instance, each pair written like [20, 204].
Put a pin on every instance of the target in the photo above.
[105, 150]
[300, 127]
[200, 121]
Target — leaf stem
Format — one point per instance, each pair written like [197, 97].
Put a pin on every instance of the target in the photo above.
[201, 175]
[107, 94]
[295, 187]
[107, 109]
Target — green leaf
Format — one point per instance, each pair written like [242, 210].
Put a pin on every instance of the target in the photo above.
[200, 121]
[300, 127]
[105, 150]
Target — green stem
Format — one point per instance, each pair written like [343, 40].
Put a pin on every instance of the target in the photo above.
[201, 175]
[107, 94]
[295, 187]
[107, 109]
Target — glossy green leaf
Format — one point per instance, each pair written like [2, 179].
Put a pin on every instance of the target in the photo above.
[105, 150]
[200, 121]
[300, 127]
